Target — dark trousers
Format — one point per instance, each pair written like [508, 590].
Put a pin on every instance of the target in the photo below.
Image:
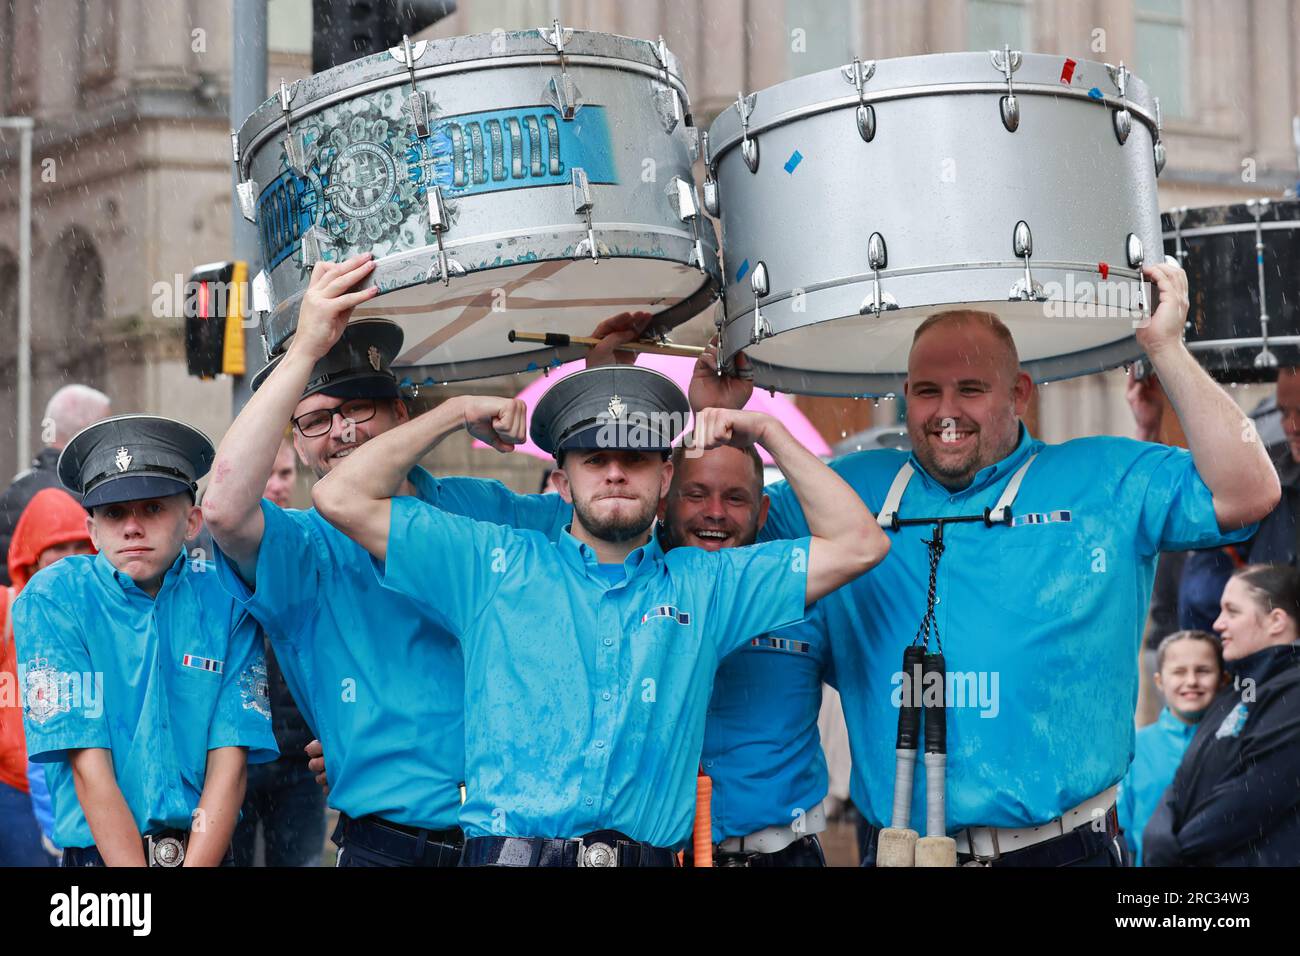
[284, 797]
[20, 834]
[806, 851]
[370, 842]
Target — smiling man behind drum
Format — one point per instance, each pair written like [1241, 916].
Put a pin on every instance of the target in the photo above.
[1039, 615]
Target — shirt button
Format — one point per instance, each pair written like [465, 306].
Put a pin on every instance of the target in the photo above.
[708, 765]
[589, 801]
[600, 744]
[609, 641]
[605, 696]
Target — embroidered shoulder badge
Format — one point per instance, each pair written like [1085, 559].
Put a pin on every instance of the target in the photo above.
[253, 688]
[44, 697]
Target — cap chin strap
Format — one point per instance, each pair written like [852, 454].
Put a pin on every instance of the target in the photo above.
[1000, 513]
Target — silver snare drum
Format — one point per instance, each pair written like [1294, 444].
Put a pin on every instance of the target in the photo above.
[857, 202]
[538, 179]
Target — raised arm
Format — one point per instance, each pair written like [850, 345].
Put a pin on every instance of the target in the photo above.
[846, 540]
[355, 496]
[232, 505]
[218, 810]
[107, 814]
[1229, 456]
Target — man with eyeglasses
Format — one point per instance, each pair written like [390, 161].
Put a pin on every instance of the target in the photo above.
[378, 679]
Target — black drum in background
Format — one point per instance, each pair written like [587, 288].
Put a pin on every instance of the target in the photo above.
[1230, 254]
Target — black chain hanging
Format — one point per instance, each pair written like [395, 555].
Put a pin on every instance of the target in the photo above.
[930, 622]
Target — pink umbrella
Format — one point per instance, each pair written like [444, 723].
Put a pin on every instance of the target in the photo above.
[679, 370]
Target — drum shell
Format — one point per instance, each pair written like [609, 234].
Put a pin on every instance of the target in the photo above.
[1216, 246]
[511, 223]
[944, 182]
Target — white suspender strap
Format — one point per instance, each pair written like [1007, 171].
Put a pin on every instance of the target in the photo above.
[889, 510]
[1002, 510]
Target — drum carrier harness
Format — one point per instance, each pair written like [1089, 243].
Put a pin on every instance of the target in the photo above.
[899, 845]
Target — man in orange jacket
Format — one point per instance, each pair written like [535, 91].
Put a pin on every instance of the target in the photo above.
[52, 526]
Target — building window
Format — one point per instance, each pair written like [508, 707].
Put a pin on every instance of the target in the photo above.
[992, 24]
[820, 34]
[1161, 37]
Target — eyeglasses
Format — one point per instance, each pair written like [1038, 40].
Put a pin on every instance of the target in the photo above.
[319, 422]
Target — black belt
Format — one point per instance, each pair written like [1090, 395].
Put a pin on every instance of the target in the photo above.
[166, 848]
[1081, 843]
[600, 848]
[395, 839]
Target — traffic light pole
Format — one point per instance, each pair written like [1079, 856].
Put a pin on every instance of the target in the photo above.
[247, 91]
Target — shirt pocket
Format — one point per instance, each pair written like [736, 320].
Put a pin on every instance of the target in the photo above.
[194, 683]
[1047, 572]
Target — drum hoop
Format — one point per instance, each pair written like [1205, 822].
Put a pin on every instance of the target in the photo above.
[403, 78]
[1012, 265]
[1207, 345]
[912, 92]
[1230, 228]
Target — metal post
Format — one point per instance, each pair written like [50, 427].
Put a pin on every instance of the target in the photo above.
[24, 125]
[247, 91]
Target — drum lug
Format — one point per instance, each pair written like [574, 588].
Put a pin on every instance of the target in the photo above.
[858, 73]
[1006, 61]
[246, 191]
[561, 91]
[1026, 289]
[261, 296]
[877, 260]
[748, 147]
[759, 285]
[234, 150]
[669, 107]
[315, 242]
[583, 205]
[293, 148]
[417, 104]
[1159, 147]
[692, 142]
[682, 195]
[711, 199]
[1265, 358]
[440, 222]
[1123, 119]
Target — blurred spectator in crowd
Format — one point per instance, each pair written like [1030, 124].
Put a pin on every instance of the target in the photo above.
[52, 526]
[1234, 799]
[1189, 672]
[68, 411]
[281, 796]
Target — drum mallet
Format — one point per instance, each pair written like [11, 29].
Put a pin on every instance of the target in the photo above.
[896, 843]
[558, 340]
[936, 848]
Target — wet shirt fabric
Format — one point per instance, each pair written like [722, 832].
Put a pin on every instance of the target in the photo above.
[156, 681]
[1040, 621]
[1157, 750]
[378, 679]
[762, 748]
[1234, 800]
[585, 699]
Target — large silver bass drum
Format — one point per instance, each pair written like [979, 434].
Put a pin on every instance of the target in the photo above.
[537, 179]
[857, 202]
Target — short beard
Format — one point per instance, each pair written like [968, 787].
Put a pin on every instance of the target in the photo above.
[617, 530]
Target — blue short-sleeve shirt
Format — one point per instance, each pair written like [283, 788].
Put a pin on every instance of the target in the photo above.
[585, 698]
[378, 679]
[1040, 621]
[156, 681]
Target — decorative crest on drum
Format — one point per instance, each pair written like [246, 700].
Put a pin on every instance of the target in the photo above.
[1026, 289]
[1007, 61]
[877, 261]
[748, 147]
[858, 73]
[562, 92]
[1123, 119]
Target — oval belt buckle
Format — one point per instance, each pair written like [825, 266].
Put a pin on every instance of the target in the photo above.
[597, 854]
[168, 851]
